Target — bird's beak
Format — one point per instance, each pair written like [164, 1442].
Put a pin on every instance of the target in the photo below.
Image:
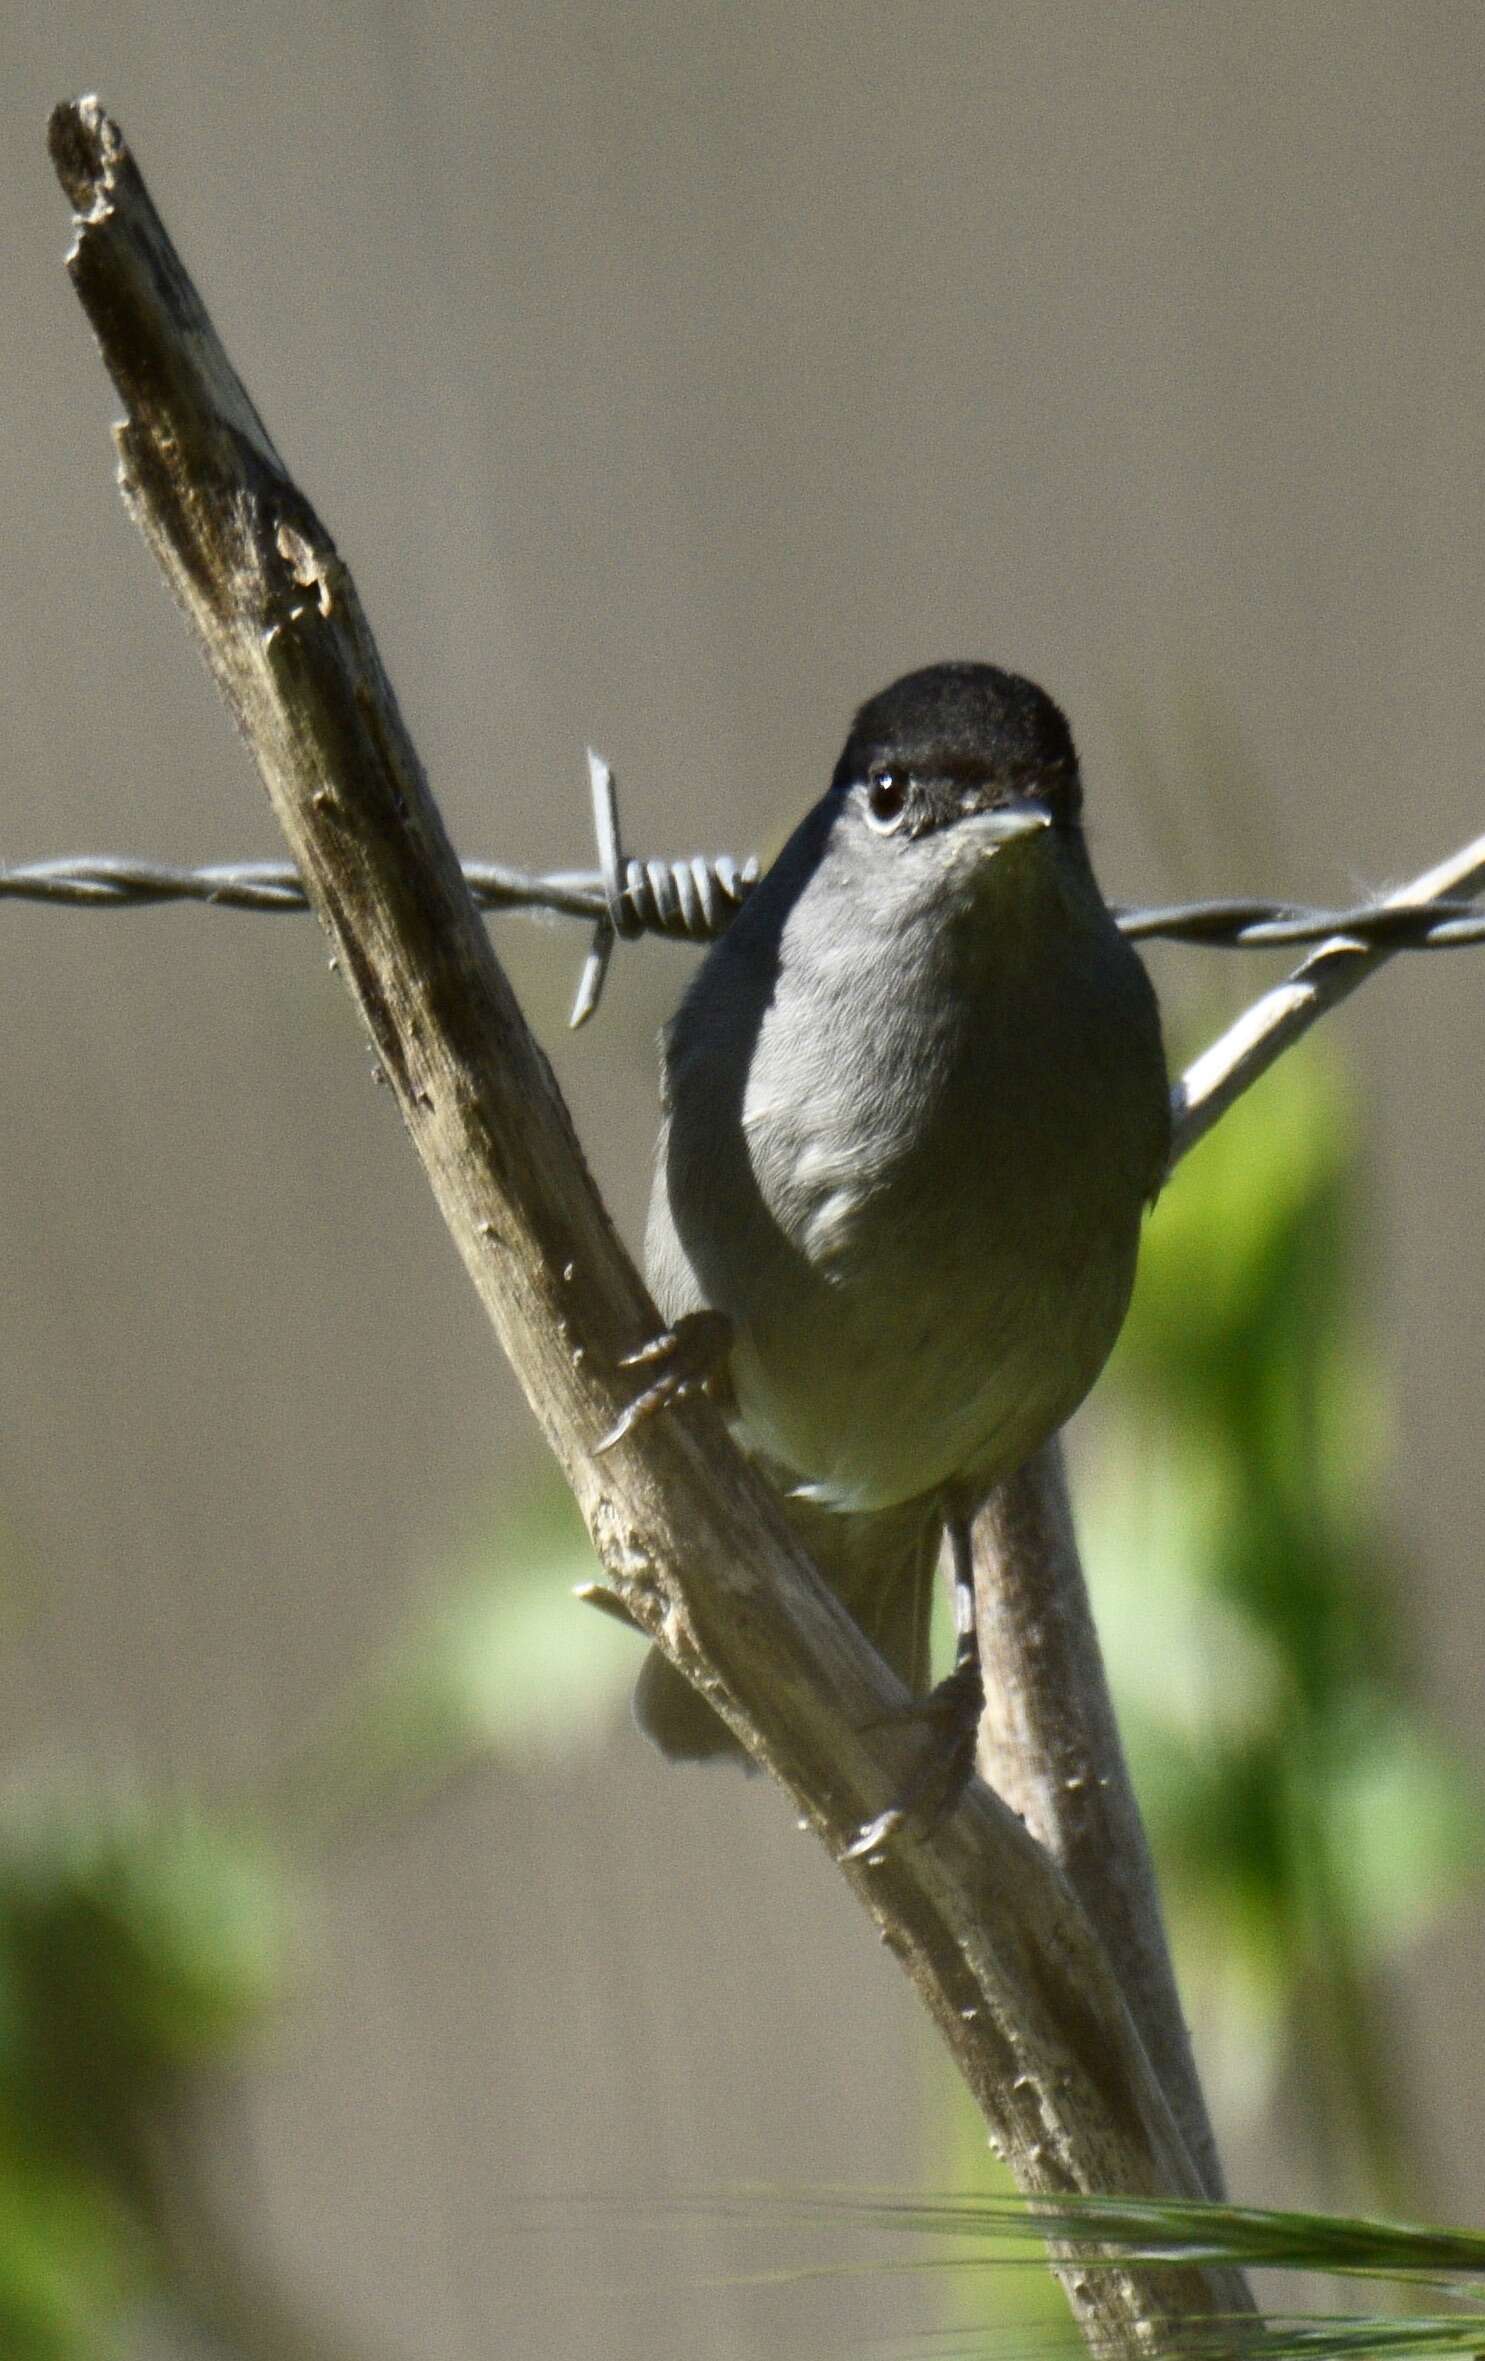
[1020, 815]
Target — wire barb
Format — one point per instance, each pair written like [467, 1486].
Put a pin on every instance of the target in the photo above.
[693, 900]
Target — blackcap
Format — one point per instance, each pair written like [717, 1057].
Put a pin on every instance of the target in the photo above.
[915, 1105]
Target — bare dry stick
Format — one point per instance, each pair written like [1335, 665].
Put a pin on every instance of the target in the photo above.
[1049, 1743]
[1050, 1746]
[1275, 1022]
[694, 1545]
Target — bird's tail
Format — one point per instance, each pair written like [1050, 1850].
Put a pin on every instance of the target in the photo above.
[880, 1566]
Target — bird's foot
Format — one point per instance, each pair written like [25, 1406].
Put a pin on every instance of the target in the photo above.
[682, 1361]
[949, 1717]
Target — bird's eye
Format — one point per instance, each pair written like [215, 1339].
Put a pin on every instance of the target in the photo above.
[886, 801]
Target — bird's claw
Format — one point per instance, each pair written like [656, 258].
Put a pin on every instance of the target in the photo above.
[949, 1717]
[877, 1834]
[686, 1359]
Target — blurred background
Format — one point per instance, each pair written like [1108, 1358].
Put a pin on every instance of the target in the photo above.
[672, 377]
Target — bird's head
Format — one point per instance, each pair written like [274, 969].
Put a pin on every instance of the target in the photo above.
[958, 778]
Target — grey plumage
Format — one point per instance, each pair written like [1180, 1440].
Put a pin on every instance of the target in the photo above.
[915, 1103]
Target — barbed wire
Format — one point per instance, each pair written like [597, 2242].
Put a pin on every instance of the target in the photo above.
[656, 892]
[695, 900]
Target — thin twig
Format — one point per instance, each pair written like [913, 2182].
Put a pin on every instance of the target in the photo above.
[1273, 1024]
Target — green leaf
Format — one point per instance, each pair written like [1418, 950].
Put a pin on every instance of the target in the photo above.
[503, 1665]
[72, 2264]
[145, 1929]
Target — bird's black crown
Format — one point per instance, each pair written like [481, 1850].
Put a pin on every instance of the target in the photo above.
[967, 719]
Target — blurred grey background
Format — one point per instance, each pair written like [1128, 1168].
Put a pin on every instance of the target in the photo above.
[671, 377]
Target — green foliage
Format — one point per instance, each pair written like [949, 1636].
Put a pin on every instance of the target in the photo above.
[1154, 2229]
[972, 2235]
[502, 1665]
[1306, 1818]
[138, 1942]
[70, 2260]
[146, 1931]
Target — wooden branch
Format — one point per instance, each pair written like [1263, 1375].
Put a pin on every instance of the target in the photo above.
[1050, 1746]
[694, 1546]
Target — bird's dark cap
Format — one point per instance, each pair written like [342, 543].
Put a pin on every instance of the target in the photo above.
[965, 718]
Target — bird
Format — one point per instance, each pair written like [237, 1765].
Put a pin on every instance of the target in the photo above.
[914, 1106]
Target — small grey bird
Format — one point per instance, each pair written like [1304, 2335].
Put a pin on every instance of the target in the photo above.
[915, 1104]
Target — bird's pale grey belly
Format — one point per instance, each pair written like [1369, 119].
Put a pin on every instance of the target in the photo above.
[912, 1341]
[869, 1398]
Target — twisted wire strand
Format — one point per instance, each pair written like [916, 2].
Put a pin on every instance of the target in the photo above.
[1440, 925]
[695, 900]
[691, 899]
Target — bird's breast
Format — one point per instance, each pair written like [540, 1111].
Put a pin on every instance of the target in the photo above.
[917, 1195]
